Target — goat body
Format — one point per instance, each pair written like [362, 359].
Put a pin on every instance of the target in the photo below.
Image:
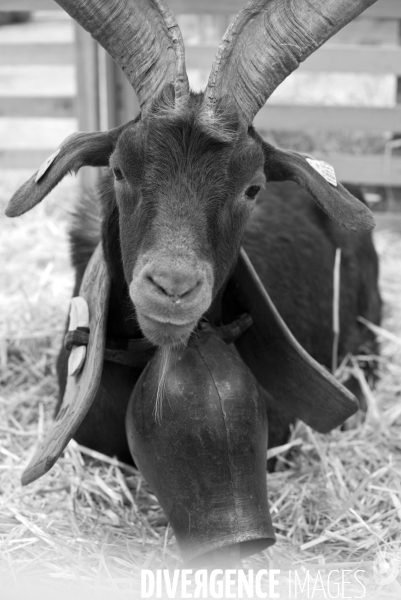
[292, 245]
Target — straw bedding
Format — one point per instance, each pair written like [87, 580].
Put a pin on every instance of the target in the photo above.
[91, 524]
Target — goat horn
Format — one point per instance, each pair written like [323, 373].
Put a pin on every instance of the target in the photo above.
[267, 41]
[142, 36]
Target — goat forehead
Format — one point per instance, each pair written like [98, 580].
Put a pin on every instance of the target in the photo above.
[169, 146]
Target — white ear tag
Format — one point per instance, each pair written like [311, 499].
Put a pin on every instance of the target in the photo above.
[324, 169]
[79, 317]
[43, 168]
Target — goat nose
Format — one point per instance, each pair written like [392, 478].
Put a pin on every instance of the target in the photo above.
[174, 284]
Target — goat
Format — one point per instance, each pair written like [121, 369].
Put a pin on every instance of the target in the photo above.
[292, 244]
[184, 181]
[187, 173]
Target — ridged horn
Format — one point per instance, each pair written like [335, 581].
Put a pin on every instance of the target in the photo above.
[267, 41]
[144, 39]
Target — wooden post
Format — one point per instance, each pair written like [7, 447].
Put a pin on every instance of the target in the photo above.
[395, 196]
[119, 101]
[105, 98]
[87, 74]
[398, 92]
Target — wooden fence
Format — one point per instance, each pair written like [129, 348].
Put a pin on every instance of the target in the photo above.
[105, 99]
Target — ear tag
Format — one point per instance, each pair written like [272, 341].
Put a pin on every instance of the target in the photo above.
[43, 168]
[79, 317]
[324, 169]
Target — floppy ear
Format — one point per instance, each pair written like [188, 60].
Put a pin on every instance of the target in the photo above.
[319, 180]
[78, 150]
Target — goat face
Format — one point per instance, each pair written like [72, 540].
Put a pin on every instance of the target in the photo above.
[185, 184]
[184, 190]
[188, 171]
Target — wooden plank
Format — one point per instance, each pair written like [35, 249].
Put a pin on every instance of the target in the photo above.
[394, 198]
[350, 58]
[384, 9]
[37, 106]
[36, 54]
[88, 104]
[388, 9]
[338, 58]
[11, 158]
[328, 118]
[388, 220]
[365, 169]
[13, 5]
[87, 80]
[121, 103]
[345, 58]
[363, 30]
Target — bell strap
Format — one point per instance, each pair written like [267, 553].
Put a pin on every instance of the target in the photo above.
[136, 353]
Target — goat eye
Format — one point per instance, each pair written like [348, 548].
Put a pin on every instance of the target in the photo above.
[118, 174]
[252, 191]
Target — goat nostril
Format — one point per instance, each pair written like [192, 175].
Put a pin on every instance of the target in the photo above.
[183, 294]
[157, 285]
[175, 290]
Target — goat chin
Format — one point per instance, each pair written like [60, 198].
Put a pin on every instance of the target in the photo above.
[165, 333]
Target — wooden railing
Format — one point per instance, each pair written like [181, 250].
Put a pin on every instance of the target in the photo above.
[105, 99]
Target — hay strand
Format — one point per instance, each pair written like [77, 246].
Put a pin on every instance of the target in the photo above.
[336, 309]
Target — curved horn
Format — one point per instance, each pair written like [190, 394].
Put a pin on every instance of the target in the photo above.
[267, 41]
[142, 36]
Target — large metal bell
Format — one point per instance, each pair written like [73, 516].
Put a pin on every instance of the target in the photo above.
[205, 458]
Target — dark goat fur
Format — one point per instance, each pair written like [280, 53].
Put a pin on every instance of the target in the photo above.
[172, 222]
[292, 245]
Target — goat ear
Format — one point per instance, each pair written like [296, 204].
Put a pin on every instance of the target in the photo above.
[319, 180]
[78, 150]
